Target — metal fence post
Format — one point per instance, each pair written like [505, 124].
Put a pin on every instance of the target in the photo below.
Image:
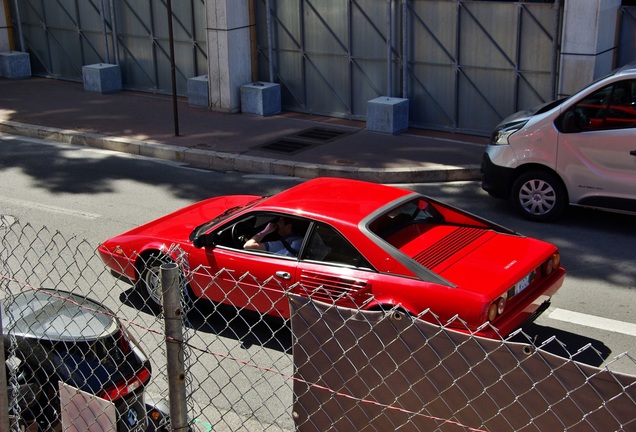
[174, 346]
[4, 397]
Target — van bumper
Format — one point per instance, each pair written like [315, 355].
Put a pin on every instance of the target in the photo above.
[495, 179]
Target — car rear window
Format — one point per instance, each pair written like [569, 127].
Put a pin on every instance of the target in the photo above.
[415, 211]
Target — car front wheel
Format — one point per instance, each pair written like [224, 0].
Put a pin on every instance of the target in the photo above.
[539, 196]
[149, 286]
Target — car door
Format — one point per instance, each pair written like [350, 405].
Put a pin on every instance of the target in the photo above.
[332, 270]
[251, 279]
[600, 158]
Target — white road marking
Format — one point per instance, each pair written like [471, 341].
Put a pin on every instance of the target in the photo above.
[48, 208]
[594, 321]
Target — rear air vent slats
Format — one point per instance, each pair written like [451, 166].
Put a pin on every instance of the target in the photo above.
[445, 248]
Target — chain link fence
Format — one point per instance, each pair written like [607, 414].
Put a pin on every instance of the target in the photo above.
[327, 368]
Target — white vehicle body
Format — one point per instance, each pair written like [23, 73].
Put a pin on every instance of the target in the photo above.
[580, 150]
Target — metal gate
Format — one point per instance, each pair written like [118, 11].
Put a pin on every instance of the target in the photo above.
[64, 35]
[463, 65]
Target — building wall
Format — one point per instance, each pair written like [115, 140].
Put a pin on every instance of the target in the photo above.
[463, 65]
[589, 44]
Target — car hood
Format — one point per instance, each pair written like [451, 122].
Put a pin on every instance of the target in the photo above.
[177, 226]
[526, 114]
[483, 261]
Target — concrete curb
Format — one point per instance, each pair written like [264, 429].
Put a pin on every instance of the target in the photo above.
[225, 161]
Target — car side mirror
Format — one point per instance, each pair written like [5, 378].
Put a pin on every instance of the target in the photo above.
[568, 123]
[203, 240]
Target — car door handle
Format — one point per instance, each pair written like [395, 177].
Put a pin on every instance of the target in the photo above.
[283, 275]
[633, 152]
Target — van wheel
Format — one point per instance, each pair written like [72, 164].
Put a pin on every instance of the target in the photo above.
[539, 196]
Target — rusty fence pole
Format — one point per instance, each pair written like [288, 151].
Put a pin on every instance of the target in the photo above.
[174, 346]
[4, 397]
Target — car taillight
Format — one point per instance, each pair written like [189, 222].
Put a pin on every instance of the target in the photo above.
[126, 387]
[492, 312]
[497, 307]
[501, 303]
[551, 263]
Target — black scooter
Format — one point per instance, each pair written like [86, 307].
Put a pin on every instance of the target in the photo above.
[55, 341]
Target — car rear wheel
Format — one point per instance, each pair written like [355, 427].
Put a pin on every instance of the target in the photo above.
[539, 196]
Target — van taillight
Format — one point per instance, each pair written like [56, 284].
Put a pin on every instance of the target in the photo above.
[126, 387]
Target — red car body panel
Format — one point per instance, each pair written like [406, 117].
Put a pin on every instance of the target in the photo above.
[456, 266]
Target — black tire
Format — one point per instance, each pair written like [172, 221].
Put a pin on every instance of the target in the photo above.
[149, 284]
[539, 196]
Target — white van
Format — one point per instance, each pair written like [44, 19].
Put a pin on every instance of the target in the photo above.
[580, 150]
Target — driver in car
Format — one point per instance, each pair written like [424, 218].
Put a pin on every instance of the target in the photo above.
[288, 244]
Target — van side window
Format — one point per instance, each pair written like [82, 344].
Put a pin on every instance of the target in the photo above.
[612, 107]
[621, 111]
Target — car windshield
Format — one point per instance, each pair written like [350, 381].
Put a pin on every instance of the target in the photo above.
[548, 106]
[203, 228]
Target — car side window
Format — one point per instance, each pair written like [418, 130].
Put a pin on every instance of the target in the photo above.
[328, 245]
[611, 107]
[236, 233]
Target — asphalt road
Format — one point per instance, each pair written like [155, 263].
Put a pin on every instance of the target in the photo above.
[95, 194]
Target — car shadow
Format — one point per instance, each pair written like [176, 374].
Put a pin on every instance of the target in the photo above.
[564, 344]
[248, 327]
[251, 328]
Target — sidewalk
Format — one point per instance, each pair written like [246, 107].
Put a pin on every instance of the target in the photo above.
[288, 144]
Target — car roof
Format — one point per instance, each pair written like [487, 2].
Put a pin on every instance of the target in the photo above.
[626, 69]
[344, 200]
[56, 315]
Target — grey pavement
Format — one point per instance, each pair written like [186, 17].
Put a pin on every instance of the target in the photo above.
[286, 144]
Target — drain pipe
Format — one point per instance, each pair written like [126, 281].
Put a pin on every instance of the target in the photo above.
[113, 27]
[405, 55]
[253, 41]
[17, 17]
[389, 69]
[175, 109]
[104, 31]
[270, 49]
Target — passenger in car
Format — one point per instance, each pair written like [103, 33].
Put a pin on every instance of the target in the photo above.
[288, 244]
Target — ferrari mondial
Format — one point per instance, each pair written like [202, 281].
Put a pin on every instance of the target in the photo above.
[349, 243]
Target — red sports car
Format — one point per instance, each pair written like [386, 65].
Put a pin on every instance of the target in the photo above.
[350, 243]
